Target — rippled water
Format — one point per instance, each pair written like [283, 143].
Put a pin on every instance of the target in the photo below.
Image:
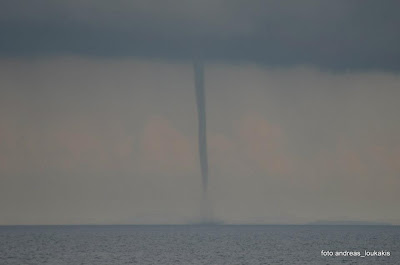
[191, 244]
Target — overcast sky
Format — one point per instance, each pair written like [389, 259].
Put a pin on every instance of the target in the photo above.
[98, 118]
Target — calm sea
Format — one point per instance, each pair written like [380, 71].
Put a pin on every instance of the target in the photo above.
[192, 244]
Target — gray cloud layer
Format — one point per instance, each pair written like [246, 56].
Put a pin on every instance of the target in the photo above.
[332, 34]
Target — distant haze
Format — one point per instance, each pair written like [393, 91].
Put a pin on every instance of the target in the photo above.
[88, 140]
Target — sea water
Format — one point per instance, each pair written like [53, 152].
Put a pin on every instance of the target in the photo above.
[199, 244]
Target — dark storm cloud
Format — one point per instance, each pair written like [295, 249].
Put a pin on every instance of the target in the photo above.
[331, 34]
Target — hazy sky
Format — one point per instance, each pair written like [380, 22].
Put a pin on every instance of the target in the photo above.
[98, 118]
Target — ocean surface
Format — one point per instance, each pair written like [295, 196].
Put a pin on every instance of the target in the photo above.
[197, 244]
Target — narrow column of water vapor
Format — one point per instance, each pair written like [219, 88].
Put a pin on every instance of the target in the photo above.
[201, 113]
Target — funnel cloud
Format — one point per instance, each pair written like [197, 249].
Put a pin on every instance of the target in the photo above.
[98, 122]
[198, 67]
